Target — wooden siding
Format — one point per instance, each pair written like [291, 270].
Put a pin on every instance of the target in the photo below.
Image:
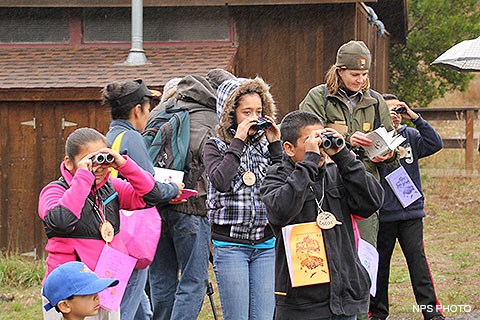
[293, 47]
[30, 159]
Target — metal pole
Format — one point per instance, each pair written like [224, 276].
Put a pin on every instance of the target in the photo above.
[137, 54]
[212, 304]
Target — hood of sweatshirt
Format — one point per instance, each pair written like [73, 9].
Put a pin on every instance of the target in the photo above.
[195, 90]
[228, 94]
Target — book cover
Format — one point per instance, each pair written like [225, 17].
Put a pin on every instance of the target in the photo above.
[305, 253]
[382, 142]
[403, 186]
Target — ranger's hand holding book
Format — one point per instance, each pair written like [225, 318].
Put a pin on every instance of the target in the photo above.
[383, 142]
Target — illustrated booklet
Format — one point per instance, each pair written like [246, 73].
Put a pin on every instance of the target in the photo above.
[306, 256]
[403, 186]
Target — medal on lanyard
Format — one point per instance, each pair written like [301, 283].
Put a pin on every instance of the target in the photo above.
[325, 220]
[106, 231]
[403, 152]
[106, 228]
[249, 177]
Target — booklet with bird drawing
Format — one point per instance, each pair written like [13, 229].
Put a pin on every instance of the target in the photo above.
[305, 253]
[403, 186]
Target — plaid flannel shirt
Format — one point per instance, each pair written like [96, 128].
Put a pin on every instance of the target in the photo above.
[241, 207]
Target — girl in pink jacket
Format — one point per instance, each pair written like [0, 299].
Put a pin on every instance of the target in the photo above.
[80, 210]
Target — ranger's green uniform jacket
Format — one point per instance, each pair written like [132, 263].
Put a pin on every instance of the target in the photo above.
[337, 112]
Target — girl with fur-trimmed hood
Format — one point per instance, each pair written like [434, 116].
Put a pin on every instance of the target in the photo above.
[247, 143]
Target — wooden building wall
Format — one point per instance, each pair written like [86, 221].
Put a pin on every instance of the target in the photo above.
[292, 47]
[30, 157]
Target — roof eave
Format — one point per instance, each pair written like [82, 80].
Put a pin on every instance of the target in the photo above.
[394, 14]
[163, 3]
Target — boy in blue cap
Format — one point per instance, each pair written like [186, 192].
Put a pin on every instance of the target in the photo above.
[72, 288]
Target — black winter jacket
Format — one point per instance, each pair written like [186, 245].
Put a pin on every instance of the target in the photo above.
[349, 189]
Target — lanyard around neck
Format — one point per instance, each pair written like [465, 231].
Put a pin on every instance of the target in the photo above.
[319, 202]
[98, 207]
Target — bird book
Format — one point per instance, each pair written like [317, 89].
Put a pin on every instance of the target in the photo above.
[382, 142]
[403, 186]
[305, 253]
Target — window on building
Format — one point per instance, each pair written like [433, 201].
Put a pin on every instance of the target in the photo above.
[167, 24]
[107, 25]
[34, 25]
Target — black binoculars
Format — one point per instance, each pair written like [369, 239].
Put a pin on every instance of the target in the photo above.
[262, 124]
[329, 141]
[400, 109]
[102, 158]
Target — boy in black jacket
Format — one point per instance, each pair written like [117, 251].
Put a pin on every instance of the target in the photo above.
[296, 191]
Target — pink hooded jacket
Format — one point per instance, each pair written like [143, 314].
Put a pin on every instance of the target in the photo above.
[130, 194]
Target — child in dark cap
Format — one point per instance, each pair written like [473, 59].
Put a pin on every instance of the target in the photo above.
[72, 289]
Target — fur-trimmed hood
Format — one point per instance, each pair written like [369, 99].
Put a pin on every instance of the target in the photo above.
[227, 95]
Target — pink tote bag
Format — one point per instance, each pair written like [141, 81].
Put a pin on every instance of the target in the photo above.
[140, 231]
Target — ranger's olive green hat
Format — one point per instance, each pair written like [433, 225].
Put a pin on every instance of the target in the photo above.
[354, 55]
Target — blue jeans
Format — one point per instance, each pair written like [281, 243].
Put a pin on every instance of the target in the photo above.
[184, 249]
[135, 304]
[245, 279]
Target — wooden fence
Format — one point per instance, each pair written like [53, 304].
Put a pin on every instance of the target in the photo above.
[469, 141]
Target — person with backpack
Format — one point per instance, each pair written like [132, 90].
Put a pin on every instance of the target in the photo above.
[347, 104]
[178, 275]
[130, 103]
[236, 160]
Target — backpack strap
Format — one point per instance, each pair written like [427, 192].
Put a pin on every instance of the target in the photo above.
[171, 108]
[377, 122]
[325, 95]
[116, 146]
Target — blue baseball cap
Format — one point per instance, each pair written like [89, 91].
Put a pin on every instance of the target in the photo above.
[72, 279]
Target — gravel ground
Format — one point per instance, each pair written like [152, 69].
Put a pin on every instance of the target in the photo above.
[474, 315]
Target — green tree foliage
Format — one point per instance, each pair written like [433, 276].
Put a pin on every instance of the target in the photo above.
[434, 26]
